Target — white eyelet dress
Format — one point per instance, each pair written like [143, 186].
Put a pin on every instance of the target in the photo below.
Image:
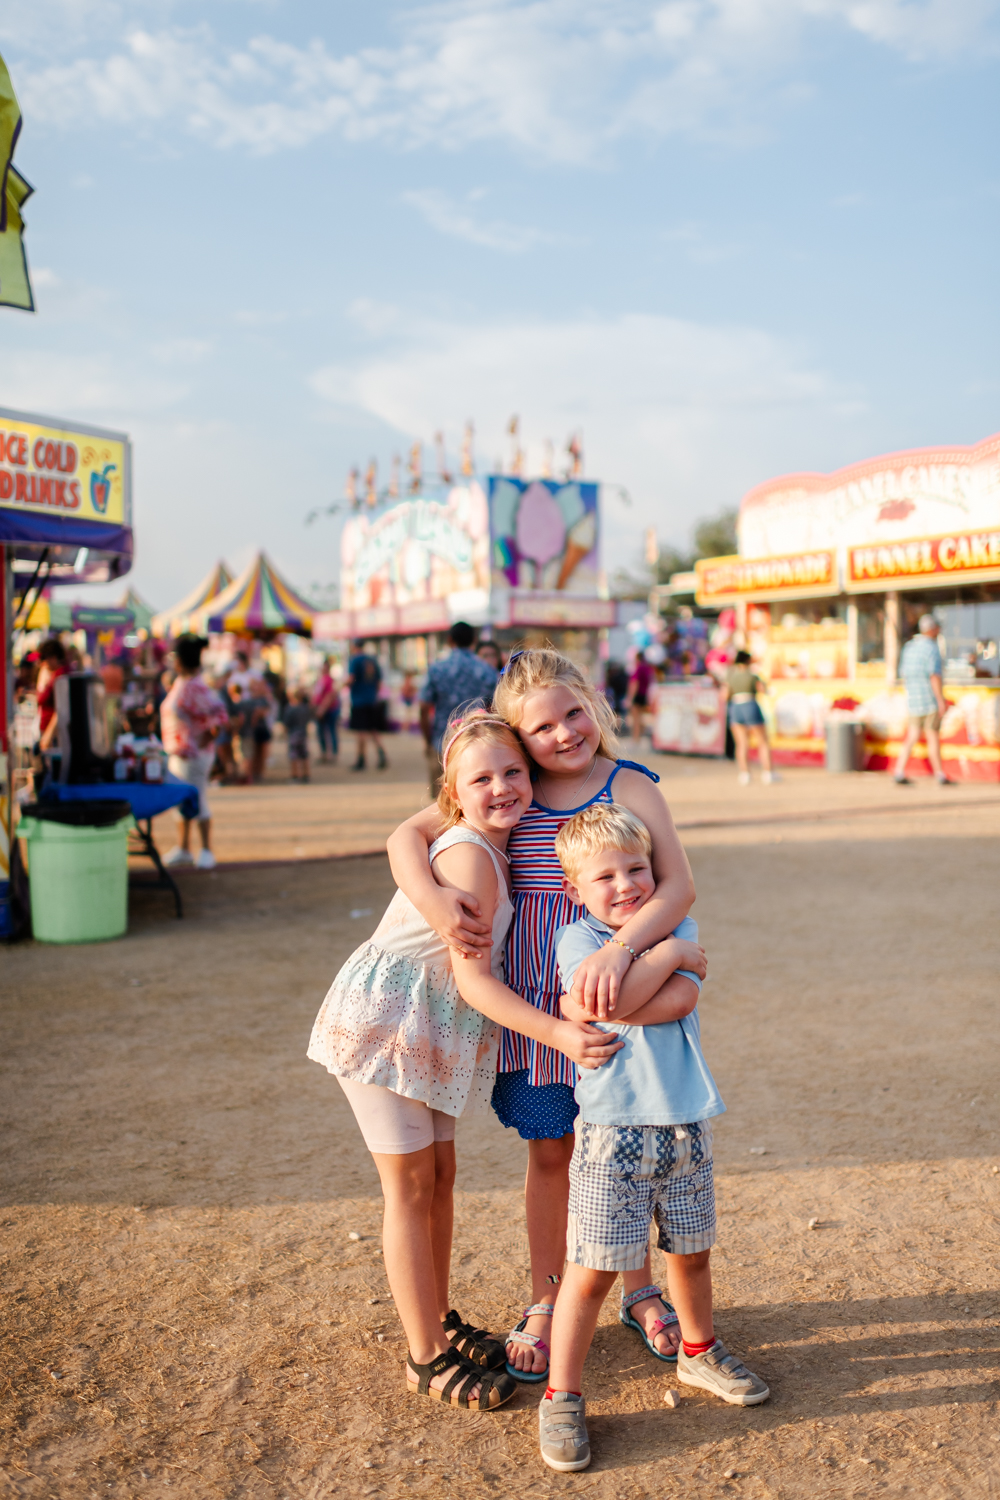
[393, 1016]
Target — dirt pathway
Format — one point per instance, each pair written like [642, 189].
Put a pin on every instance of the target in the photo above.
[183, 1309]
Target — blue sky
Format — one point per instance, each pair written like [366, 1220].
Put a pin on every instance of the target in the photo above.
[725, 238]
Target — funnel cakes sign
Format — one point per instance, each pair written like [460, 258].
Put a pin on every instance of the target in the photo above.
[921, 493]
[962, 557]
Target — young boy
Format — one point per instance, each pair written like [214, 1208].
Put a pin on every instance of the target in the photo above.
[297, 717]
[643, 1136]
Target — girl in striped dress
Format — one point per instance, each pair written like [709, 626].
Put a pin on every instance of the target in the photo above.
[568, 729]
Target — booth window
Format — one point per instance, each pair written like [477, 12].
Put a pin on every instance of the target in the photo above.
[871, 630]
[970, 628]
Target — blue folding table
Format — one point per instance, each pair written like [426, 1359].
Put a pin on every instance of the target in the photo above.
[146, 799]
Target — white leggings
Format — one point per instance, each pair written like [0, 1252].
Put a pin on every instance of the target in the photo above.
[393, 1125]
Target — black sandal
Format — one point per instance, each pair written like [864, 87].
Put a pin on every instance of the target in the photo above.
[475, 1343]
[494, 1389]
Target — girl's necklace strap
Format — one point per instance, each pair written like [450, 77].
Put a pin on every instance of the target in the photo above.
[502, 852]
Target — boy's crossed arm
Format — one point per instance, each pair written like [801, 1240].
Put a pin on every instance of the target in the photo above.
[646, 977]
[657, 992]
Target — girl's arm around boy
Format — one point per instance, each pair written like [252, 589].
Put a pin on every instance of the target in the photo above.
[469, 869]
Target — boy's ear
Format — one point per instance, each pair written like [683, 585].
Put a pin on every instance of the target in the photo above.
[572, 892]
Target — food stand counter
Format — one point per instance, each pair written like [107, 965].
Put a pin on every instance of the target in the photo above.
[833, 574]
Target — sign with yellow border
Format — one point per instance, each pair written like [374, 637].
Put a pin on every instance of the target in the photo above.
[959, 557]
[798, 575]
[73, 472]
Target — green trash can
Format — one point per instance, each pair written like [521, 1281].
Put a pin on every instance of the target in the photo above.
[77, 869]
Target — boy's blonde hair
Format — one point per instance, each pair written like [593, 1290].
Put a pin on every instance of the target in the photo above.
[544, 667]
[466, 727]
[604, 825]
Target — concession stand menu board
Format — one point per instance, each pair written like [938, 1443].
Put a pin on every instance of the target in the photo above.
[65, 516]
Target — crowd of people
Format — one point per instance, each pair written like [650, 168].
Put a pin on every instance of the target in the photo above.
[250, 700]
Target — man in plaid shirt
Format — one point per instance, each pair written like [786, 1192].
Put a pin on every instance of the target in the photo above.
[920, 669]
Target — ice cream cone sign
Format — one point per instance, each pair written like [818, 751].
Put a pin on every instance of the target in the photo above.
[581, 540]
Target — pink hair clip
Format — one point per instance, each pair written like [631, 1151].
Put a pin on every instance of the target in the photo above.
[464, 724]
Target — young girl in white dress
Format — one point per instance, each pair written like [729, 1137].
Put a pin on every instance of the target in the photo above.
[409, 1028]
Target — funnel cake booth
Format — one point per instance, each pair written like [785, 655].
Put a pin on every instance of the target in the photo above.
[832, 576]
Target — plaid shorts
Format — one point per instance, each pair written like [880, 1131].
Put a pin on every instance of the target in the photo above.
[622, 1177]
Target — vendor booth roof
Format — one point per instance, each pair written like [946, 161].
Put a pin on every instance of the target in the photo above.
[259, 599]
[141, 612]
[174, 622]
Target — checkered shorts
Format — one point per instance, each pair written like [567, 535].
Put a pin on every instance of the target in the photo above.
[622, 1177]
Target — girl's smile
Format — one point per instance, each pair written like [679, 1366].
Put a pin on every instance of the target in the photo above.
[558, 732]
[492, 788]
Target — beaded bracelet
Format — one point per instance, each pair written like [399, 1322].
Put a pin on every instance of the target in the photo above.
[620, 944]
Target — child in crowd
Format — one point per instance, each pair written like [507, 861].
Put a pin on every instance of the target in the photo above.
[407, 1030]
[568, 729]
[297, 717]
[643, 1137]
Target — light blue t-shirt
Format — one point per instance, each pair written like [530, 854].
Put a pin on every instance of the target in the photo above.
[659, 1077]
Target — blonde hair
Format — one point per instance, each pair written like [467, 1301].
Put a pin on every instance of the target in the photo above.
[544, 667]
[476, 726]
[604, 825]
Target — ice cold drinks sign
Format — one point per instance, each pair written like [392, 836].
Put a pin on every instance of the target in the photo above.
[62, 471]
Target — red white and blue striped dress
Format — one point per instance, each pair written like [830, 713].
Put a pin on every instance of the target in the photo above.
[540, 908]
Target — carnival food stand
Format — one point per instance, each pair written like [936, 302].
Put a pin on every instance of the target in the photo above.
[65, 518]
[832, 576]
[518, 558]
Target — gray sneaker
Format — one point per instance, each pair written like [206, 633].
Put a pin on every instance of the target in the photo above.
[723, 1374]
[562, 1432]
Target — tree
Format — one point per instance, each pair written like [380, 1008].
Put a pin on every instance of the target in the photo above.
[713, 537]
[716, 536]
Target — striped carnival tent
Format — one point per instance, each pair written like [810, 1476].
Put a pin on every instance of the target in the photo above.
[259, 600]
[173, 622]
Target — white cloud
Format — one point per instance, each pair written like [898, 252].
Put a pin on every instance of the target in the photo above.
[447, 216]
[92, 388]
[43, 277]
[685, 416]
[181, 351]
[563, 79]
[698, 245]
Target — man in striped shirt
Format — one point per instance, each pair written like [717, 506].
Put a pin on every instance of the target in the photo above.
[920, 669]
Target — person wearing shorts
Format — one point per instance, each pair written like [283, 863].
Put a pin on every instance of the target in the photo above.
[191, 715]
[745, 718]
[367, 709]
[920, 668]
[643, 1151]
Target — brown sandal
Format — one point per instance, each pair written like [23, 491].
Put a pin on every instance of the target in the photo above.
[494, 1389]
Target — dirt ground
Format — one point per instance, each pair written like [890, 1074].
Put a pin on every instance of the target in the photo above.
[183, 1308]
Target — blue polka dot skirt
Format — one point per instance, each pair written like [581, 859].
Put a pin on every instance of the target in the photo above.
[542, 1113]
